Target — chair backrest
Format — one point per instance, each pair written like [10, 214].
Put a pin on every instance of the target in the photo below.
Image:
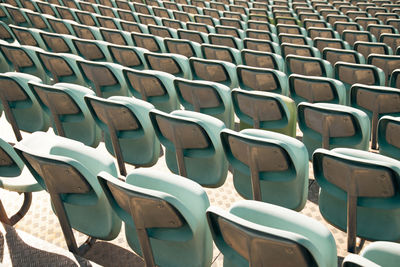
[148, 41]
[174, 64]
[183, 47]
[321, 43]
[91, 50]
[360, 175]
[219, 52]
[57, 43]
[330, 125]
[300, 50]
[262, 59]
[128, 56]
[367, 48]
[376, 101]
[388, 132]
[316, 89]
[264, 110]
[387, 63]
[153, 86]
[353, 36]
[334, 55]
[262, 79]
[309, 66]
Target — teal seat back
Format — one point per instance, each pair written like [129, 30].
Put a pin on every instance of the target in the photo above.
[350, 73]
[70, 117]
[128, 56]
[127, 128]
[316, 89]
[5, 32]
[67, 168]
[174, 64]
[206, 97]
[330, 125]
[91, 50]
[155, 87]
[22, 109]
[262, 60]
[183, 47]
[163, 215]
[333, 55]
[387, 63]
[192, 143]
[309, 66]
[268, 167]
[388, 132]
[220, 52]
[264, 110]
[365, 185]
[253, 233]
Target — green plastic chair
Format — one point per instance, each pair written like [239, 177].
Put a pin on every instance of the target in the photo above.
[86, 32]
[92, 50]
[58, 43]
[323, 33]
[153, 86]
[375, 101]
[262, 79]
[206, 97]
[20, 105]
[219, 52]
[333, 55]
[322, 43]
[15, 177]
[341, 26]
[368, 48]
[392, 40]
[377, 29]
[5, 33]
[28, 36]
[354, 36]
[164, 217]
[174, 64]
[263, 60]
[261, 45]
[253, 233]
[22, 59]
[300, 50]
[387, 63]
[267, 166]
[350, 73]
[263, 35]
[265, 110]
[359, 193]
[127, 129]
[192, 145]
[388, 132]
[194, 36]
[379, 253]
[162, 31]
[86, 18]
[67, 169]
[214, 70]
[316, 89]
[228, 30]
[330, 125]
[116, 36]
[309, 66]
[60, 67]
[105, 78]
[183, 47]
[148, 41]
[296, 39]
[17, 16]
[70, 117]
[225, 40]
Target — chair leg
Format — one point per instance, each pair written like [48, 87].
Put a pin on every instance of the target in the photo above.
[19, 214]
[351, 223]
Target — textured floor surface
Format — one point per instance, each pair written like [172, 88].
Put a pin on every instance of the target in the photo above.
[41, 222]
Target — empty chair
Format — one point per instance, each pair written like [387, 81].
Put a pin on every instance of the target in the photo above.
[192, 145]
[70, 117]
[60, 67]
[264, 110]
[162, 31]
[267, 166]
[104, 78]
[219, 52]
[15, 177]
[128, 56]
[226, 40]
[58, 43]
[316, 89]
[253, 233]
[148, 41]
[21, 59]
[392, 40]
[330, 125]
[376, 101]
[299, 50]
[262, 59]
[359, 193]
[379, 253]
[263, 35]
[5, 33]
[322, 33]
[350, 73]
[333, 55]
[67, 169]
[341, 26]
[20, 105]
[92, 50]
[261, 45]
[206, 97]
[262, 79]
[309, 66]
[388, 132]
[27, 36]
[153, 86]
[214, 71]
[116, 36]
[367, 48]
[322, 43]
[174, 64]
[183, 47]
[353, 36]
[387, 63]
[164, 217]
[128, 133]
[377, 30]
[86, 32]
[194, 36]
